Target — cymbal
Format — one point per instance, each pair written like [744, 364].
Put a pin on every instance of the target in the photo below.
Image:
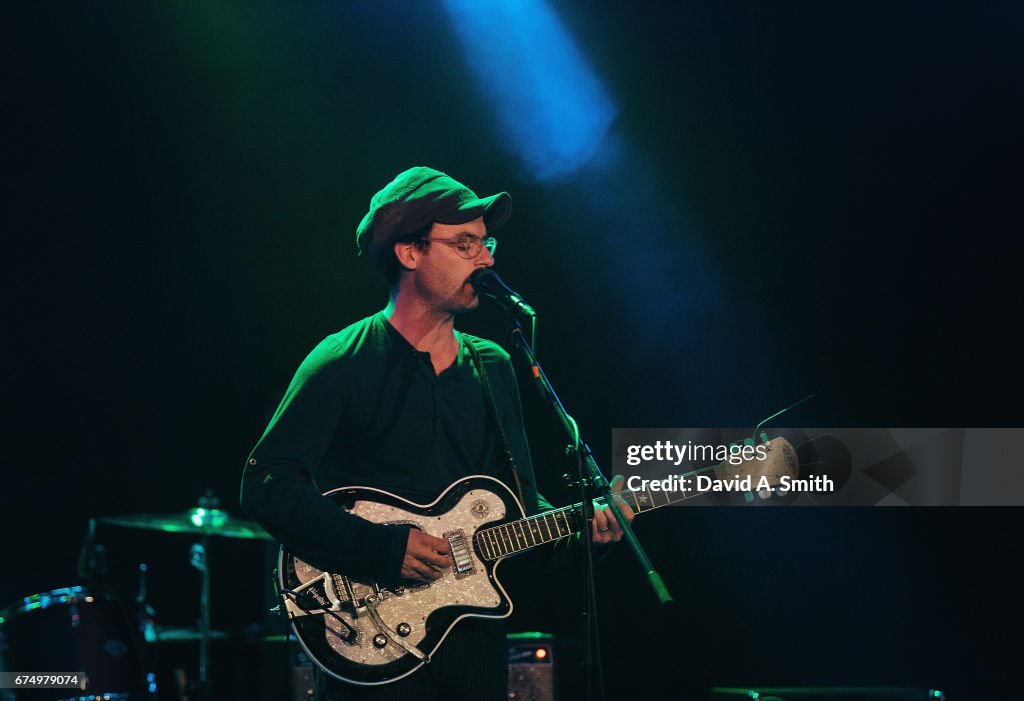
[197, 520]
[184, 635]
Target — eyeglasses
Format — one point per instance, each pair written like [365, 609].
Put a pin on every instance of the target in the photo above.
[469, 246]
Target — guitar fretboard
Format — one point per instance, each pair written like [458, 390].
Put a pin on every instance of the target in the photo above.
[516, 536]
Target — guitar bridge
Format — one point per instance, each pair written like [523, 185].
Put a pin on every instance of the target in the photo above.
[462, 559]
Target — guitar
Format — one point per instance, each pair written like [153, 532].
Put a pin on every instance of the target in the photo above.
[371, 633]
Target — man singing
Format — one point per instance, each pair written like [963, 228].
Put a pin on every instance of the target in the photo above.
[397, 401]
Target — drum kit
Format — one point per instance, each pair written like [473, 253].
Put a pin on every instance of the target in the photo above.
[95, 632]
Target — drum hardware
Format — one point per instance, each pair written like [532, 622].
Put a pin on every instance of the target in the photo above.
[93, 629]
[92, 559]
[147, 614]
[85, 628]
[205, 520]
[199, 561]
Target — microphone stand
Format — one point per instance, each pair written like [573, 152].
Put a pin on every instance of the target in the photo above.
[590, 481]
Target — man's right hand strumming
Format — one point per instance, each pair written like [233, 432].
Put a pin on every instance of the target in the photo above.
[426, 557]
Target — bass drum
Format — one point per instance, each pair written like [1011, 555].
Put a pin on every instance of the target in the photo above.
[83, 630]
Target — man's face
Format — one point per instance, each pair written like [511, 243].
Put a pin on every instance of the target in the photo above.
[442, 273]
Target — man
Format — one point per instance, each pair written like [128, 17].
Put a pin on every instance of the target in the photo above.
[396, 401]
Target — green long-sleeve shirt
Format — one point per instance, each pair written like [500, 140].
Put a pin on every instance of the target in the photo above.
[366, 408]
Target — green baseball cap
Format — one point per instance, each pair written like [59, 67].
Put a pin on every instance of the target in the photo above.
[417, 198]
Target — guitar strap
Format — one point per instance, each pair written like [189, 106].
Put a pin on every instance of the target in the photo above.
[492, 409]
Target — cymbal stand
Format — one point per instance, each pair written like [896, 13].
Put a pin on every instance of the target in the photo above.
[201, 562]
[146, 613]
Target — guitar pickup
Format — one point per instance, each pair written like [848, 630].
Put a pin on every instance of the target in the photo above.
[317, 596]
[462, 558]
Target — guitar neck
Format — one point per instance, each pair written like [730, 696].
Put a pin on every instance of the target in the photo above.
[518, 536]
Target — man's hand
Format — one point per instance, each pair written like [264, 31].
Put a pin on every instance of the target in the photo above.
[426, 557]
[606, 528]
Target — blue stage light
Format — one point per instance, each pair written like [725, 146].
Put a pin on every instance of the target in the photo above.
[548, 103]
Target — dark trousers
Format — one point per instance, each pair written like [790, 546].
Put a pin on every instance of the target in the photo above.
[470, 665]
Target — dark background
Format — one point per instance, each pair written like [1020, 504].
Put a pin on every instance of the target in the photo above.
[791, 200]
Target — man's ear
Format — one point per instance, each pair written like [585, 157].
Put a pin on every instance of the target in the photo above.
[408, 255]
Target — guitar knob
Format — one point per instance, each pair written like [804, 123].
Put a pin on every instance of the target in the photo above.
[404, 629]
[380, 640]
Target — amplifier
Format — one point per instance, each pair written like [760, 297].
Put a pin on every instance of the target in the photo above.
[531, 667]
[825, 693]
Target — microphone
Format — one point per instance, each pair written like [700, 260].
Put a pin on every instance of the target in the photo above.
[486, 282]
